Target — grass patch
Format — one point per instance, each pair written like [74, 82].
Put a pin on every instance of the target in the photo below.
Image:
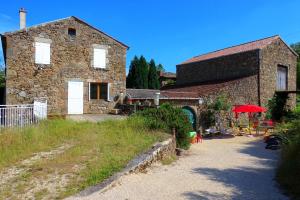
[169, 160]
[40, 194]
[97, 150]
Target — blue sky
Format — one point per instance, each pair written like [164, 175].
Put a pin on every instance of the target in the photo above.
[170, 31]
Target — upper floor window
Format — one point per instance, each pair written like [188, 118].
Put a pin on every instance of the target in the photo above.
[282, 78]
[42, 53]
[72, 32]
[99, 58]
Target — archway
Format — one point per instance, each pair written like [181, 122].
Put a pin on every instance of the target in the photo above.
[191, 115]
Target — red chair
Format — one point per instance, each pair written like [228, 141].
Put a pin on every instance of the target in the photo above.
[199, 137]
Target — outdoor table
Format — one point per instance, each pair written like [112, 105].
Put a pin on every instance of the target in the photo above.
[266, 129]
[242, 126]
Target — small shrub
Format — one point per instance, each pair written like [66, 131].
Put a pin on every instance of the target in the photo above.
[208, 119]
[288, 171]
[220, 104]
[167, 117]
[215, 111]
[277, 107]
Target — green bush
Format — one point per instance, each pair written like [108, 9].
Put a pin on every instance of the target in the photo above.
[208, 118]
[167, 117]
[288, 171]
[214, 111]
[277, 107]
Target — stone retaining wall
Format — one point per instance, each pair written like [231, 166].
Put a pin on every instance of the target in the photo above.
[158, 152]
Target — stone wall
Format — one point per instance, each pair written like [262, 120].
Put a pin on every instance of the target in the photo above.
[158, 152]
[222, 68]
[71, 59]
[277, 53]
[242, 91]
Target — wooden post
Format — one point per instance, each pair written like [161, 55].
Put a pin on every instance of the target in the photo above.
[174, 133]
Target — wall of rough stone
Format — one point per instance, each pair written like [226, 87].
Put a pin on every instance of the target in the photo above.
[158, 152]
[277, 53]
[71, 59]
[222, 68]
[242, 91]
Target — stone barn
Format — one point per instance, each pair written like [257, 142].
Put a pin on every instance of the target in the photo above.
[249, 73]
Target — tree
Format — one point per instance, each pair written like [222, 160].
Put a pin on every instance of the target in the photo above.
[2, 74]
[132, 74]
[160, 68]
[2, 78]
[296, 48]
[142, 74]
[153, 82]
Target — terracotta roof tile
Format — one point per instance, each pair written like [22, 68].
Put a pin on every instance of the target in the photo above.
[165, 94]
[141, 93]
[202, 89]
[258, 44]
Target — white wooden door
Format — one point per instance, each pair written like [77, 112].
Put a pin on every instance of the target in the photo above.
[75, 97]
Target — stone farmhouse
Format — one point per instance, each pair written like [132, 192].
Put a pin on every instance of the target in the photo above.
[74, 66]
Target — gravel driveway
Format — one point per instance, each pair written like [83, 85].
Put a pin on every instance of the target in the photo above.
[234, 168]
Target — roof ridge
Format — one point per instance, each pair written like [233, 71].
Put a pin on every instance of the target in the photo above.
[61, 19]
[230, 47]
[274, 36]
[36, 25]
[178, 92]
[140, 89]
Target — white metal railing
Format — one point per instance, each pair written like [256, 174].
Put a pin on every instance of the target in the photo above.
[22, 115]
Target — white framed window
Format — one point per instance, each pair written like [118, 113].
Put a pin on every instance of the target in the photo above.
[99, 91]
[281, 78]
[42, 53]
[99, 58]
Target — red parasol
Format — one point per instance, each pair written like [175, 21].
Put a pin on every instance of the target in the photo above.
[248, 109]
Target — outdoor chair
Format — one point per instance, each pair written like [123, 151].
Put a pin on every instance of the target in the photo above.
[199, 137]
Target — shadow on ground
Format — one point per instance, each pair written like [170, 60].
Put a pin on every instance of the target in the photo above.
[245, 182]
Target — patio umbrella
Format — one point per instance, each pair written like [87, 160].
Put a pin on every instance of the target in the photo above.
[248, 109]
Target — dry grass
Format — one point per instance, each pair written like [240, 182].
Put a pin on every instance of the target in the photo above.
[95, 152]
[169, 160]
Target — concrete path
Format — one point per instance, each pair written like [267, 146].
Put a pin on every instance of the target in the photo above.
[95, 117]
[234, 168]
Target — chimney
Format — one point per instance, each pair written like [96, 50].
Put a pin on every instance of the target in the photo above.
[22, 13]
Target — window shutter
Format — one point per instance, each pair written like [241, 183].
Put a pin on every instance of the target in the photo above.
[42, 53]
[89, 91]
[282, 78]
[108, 91]
[38, 54]
[99, 58]
[284, 75]
[46, 53]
